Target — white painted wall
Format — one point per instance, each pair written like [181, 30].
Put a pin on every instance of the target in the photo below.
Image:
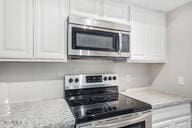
[179, 29]
[34, 81]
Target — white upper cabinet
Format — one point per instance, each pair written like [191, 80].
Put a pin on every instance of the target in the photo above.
[85, 8]
[37, 29]
[115, 10]
[148, 36]
[16, 28]
[50, 29]
[138, 34]
[157, 32]
[112, 10]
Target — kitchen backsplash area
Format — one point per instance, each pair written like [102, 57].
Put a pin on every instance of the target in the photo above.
[34, 81]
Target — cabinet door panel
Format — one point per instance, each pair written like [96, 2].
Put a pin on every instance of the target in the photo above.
[183, 122]
[165, 124]
[116, 10]
[157, 22]
[148, 35]
[138, 34]
[87, 8]
[16, 28]
[50, 29]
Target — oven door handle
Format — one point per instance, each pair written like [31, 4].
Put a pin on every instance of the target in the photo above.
[119, 123]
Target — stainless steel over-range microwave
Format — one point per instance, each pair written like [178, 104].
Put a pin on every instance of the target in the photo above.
[97, 38]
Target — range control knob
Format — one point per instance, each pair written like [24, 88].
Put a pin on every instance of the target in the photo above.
[114, 108]
[114, 78]
[70, 80]
[110, 78]
[110, 108]
[76, 80]
[105, 78]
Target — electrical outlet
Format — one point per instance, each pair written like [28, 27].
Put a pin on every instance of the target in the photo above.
[128, 78]
[181, 80]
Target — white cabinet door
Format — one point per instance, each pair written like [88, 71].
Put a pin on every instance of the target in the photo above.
[116, 10]
[147, 35]
[111, 10]
[165, 124]
[16, 28]
[172, 117]
[158, 35]
[50, 29]
[138, 34]
[183, 122]
[85, 8]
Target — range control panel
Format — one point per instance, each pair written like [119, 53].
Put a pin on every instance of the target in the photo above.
[90, 81]
[94, 79]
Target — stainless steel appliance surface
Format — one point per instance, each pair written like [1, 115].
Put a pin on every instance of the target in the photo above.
[97, 38]
[95, 103]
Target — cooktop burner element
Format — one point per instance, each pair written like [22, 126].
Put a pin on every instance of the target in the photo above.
[81, 101]
[82, 97]
[98, 98]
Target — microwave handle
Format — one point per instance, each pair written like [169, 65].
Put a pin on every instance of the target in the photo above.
[120, 42]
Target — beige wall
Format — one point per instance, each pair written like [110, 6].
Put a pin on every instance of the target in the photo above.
[27, 72]
[35, 81]
[179, 35]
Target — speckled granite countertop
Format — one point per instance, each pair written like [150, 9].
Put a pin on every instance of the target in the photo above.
[37, 114]
[157, 99]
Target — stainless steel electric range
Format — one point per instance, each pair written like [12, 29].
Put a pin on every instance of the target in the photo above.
[95, 102]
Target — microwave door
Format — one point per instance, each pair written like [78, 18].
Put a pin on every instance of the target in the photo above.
[90, 41]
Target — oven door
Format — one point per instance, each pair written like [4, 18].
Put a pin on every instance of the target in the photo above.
[92, 41]
[126, 121]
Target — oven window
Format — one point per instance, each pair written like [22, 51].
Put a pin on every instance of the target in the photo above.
[87, 39]
[138, 125]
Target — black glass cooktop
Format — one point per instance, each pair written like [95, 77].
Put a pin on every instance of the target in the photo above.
[88, 105]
